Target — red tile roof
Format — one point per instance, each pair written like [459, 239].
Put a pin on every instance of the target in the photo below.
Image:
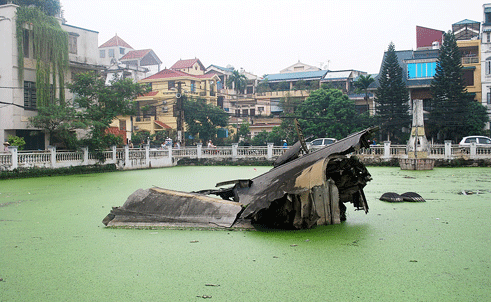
[163, 125]
[115, 41]
[136, 54]
[169, 74]
[151, 93]
[181, 64]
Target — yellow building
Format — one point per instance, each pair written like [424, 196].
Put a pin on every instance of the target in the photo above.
[156, 110]
[471, 63]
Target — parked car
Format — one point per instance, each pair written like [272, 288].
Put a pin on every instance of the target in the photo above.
[320, 143]
[481, 141]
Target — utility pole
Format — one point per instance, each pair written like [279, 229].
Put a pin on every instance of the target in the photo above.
[180, 114]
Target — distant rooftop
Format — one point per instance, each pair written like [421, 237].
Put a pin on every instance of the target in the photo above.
[181, 64]
[115, 41]
[466, 21]
[306, 75]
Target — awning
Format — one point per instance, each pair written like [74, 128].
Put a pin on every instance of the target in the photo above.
[162, 125]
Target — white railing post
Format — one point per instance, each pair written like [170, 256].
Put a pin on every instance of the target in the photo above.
[85, 150]
[15, 160]
[170, 153]
[126, 156]
[113, 149]
[270, 150]
[448, 149]
[235, 146]
[473, 151]
[147, 154]
[198, 150]
[52, 150]
[387, 149]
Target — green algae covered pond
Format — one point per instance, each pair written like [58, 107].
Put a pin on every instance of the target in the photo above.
[53, 246]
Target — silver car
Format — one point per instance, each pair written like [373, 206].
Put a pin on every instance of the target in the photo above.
[321, 142]
[481, 141]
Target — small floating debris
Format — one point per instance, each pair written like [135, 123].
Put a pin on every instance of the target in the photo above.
[468, 192]
[391, 197]
[408, 196]
[412, 197]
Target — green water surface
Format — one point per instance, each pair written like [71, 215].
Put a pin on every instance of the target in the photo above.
[53, 246]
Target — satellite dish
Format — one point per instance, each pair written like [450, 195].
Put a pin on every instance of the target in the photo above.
[178, 95]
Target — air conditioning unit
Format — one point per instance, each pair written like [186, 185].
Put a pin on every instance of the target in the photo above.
[135, 128]
[164, 102]
[165, 109]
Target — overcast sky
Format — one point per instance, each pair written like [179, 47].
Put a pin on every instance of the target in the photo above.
[266, 36]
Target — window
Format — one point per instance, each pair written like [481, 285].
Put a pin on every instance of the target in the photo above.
[361, 108]
[421, 70]
[193, 86]
[488, 37]
[102, 53]
[489, 98]
[487, 66]
[468, 77]
[171, 84]
[72, 43]
[29, 95]
[111, 53]
[252, 112]
[121, 51]
[245, 112]
[26, 43]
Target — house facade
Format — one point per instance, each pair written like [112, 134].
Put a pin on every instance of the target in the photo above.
[122, 61]
[158, 110]
[419, 66]
[18, 96]
[486, 60]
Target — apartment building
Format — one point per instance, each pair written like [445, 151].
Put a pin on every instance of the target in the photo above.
[18, 96]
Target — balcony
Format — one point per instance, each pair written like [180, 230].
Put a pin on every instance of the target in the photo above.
[470, 60]
[285, 93]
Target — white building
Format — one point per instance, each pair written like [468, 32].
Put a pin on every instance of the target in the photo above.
[122, 61]
[18, 97]
[486, 60]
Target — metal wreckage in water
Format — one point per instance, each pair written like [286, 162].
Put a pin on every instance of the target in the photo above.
[301, 191]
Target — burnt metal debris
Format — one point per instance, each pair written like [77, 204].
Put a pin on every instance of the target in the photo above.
[301, 191]
[408, 196]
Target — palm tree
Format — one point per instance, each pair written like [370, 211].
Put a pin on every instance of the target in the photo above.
[237, 81]
[362, 84]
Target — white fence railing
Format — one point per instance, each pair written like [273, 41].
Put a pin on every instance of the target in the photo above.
[134, 158]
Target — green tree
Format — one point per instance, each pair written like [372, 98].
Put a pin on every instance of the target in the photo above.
[328, 113]
[100, 104]
[453, 114]
[237, 81]
[243, 131]
[392, 99]
[202, 119]
[58, 121]
[49, 7]
[16, 141]
[362, 84]
[260, 139]
[140, 138]
[263, 86]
